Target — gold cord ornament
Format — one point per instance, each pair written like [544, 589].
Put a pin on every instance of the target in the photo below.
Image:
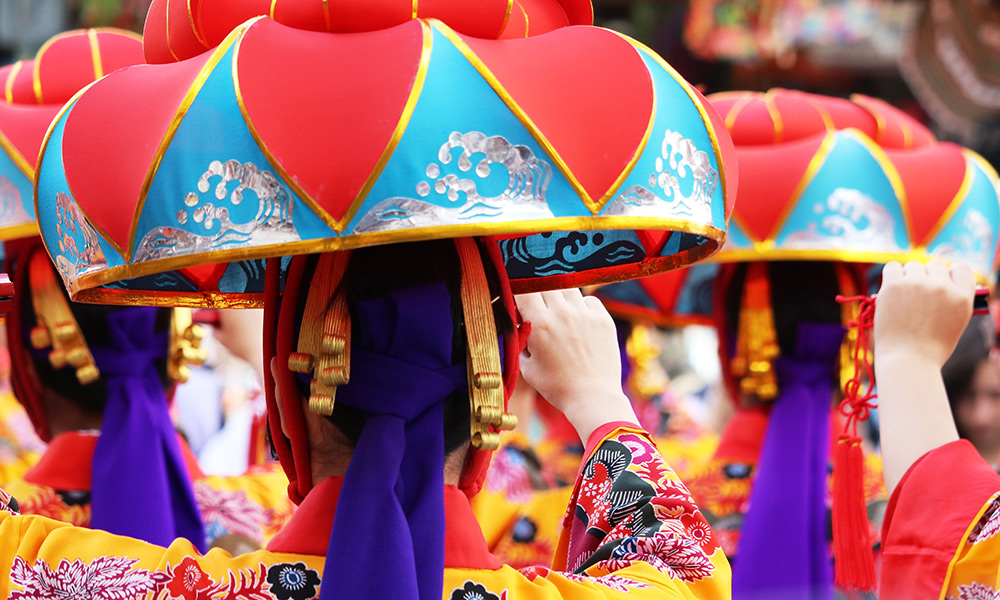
[647, 378]
[185, 345]
[324, 347]
[756, 340]
[56, 326]
[486, 395]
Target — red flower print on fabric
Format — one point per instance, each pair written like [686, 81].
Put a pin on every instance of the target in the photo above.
[189, 581]
[614, 582]
[698, 529]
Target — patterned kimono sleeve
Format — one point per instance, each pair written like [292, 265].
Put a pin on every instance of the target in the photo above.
[43, 559]
[940, 530]
[631, 520]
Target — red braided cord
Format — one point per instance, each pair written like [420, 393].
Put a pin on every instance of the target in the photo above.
[854, 406]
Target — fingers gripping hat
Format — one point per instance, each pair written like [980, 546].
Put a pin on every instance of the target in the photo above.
[298, 128]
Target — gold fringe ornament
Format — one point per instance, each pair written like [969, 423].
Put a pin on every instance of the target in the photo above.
[324, 347]
[185, 345]
[486, 395]
[756, 340]
[56, 326]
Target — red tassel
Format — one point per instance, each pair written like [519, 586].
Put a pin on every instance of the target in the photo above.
[852, 544]
[854, 565]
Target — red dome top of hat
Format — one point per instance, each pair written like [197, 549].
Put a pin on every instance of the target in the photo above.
[64, 65]
[180, 29]
[32, 93]
[778, 115]
[67, 62]
[853, 180]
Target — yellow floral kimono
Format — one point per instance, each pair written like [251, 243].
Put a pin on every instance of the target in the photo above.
[631, 531]
[254, 505]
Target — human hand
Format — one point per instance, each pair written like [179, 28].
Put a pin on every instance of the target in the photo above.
[922, 311]
[572, 358]
[920, 314]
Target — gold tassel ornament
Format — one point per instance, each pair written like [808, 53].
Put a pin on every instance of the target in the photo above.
[324, 347]
[185, 345]
[56, 326]
[756, 340]
[486, 395]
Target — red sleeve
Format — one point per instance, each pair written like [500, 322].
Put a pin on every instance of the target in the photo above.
[929, 517]
[602, 432]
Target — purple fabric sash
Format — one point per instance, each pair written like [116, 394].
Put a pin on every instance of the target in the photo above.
[783, 545]
[141, 487]
[388, 535]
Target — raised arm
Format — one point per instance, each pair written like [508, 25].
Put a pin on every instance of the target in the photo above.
[572, 359]
[920, 314]
[629, 511]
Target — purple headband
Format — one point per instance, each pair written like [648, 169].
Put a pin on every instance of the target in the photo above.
[402, 369]
[141, 487]
[783, 548]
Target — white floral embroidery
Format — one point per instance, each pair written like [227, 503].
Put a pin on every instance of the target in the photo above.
[614, 582]
[106, 578]
[977, 591]
[678, 556]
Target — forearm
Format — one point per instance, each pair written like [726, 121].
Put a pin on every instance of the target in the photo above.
[915, 416]
[587, 416]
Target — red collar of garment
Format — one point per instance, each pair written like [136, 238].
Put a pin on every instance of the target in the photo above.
[66, 463]
[308, 531]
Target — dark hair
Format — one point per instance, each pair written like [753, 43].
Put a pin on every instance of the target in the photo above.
[378, 270]
[93, 322]
[972, 350]
[801, 292]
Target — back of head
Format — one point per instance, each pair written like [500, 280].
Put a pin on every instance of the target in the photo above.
[378, 271]
[801, 292]
[56, 378]
[418, 352]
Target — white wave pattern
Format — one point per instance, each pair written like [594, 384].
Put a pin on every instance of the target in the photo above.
[973, 243]
[76, 259]
[679, 160]
[271, 225]
[11, 209]
[849, 220]
[523, 198]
